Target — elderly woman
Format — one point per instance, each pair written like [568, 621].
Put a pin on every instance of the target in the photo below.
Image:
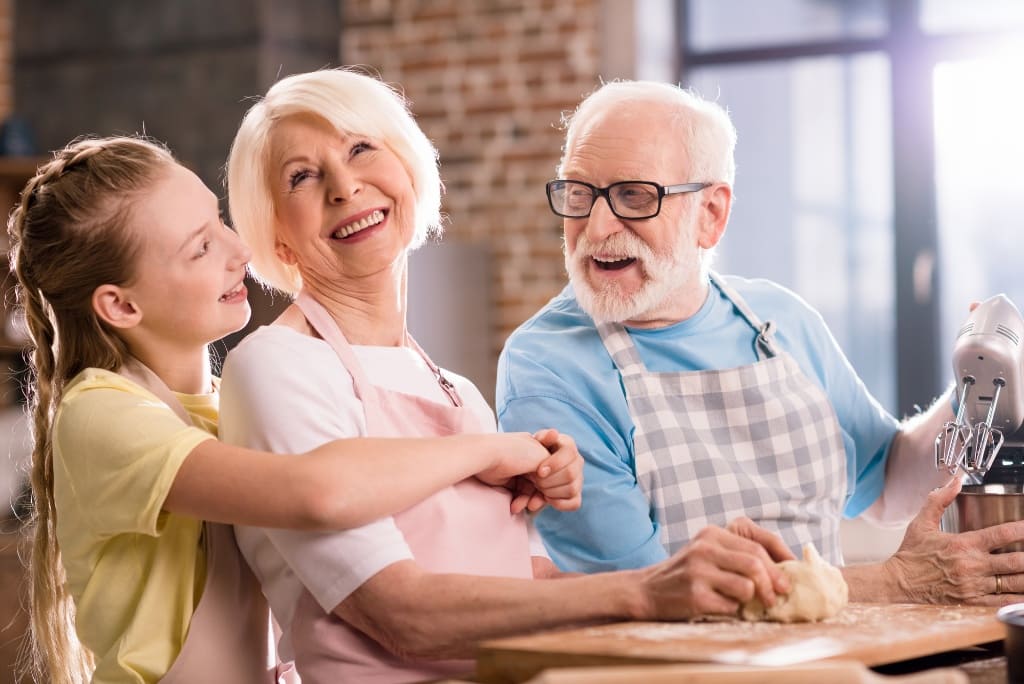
[332, 184]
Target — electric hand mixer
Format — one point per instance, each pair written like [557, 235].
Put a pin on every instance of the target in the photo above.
[988, 364]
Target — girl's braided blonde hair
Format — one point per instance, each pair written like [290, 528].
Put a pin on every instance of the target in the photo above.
[68, 235]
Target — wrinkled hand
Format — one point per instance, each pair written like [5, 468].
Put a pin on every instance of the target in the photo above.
[716, 573]
[932, 566]
[772, 543]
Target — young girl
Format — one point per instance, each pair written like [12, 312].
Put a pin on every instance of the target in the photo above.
[126, 272]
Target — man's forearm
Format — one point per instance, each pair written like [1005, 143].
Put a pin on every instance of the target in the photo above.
[873, 583]
[910, 471]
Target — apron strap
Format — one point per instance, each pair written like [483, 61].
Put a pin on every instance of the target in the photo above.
[627, 359]
[325, 325]
[621, 348]
[142, 375]
[765, 341]
[231, 614]
[446, 385]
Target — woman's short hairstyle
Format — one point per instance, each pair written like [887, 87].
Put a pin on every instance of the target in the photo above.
[355, 104]
[709, 131]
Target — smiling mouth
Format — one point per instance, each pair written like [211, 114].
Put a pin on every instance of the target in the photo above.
[357, 226]
[232, 292]
[606, 264]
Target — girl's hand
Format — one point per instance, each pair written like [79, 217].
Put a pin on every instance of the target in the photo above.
[539, 470]
[559, 478]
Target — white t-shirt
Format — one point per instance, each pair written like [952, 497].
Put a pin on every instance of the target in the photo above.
[286, 392]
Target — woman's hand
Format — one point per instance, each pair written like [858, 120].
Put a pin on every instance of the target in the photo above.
[716, 573]
[932, 566]
[539, 469]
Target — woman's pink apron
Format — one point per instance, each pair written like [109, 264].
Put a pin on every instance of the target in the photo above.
[466, 528]
[229, 640]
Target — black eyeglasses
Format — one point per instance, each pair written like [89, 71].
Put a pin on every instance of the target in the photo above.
[626, 199]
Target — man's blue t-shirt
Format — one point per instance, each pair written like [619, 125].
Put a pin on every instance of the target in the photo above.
[555, 372]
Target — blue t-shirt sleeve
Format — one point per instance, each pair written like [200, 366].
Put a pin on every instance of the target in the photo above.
[614, 527]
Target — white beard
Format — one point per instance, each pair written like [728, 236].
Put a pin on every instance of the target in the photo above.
[663, 275]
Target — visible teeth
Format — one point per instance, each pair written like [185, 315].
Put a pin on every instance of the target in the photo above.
[362, 224]
[228, 295]
[611, 260]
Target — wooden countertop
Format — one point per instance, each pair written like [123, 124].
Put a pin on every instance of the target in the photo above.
[870, 634]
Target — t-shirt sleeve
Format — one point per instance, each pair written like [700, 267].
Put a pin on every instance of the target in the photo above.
[114, 445]
[290, 396]
[614, 527]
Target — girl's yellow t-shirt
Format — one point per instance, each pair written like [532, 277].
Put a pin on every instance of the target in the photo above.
[135, 571]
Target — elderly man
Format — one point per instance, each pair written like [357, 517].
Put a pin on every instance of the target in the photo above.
[696, 398]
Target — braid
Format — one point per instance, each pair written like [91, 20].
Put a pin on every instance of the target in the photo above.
[67, 237]
[53, 610]
[54, 652]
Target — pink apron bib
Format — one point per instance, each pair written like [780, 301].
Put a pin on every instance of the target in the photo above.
[465, 528]
[229, 640]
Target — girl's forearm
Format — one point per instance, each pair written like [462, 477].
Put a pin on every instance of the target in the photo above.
[343, 484]
[363, 479]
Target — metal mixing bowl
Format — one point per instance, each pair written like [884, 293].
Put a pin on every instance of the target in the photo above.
[984, 505]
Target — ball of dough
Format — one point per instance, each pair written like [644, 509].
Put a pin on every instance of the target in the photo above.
[818, 591]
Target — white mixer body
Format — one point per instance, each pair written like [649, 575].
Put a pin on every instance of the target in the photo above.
[990, 350]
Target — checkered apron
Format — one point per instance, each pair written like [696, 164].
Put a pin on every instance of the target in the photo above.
[760, 440]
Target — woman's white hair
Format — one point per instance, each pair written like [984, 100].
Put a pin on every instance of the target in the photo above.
[355, 104]
[708, 130]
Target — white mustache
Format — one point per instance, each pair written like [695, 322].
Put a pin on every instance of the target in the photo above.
[622, 245]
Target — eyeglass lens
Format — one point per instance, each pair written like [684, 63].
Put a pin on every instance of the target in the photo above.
[573, 199]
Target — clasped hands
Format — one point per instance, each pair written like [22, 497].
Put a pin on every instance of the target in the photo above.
[543, 469]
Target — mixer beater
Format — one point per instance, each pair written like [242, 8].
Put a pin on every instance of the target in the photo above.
[988, 363]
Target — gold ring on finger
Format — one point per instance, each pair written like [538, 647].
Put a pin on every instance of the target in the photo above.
[999, 584]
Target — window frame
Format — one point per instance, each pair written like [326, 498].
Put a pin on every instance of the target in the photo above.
[921, 366]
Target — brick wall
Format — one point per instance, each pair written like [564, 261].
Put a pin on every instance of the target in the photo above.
[488, 81]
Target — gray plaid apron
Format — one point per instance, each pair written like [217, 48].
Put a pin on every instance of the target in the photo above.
[760, 440]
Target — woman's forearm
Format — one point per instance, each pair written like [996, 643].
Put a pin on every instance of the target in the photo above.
[417, 614]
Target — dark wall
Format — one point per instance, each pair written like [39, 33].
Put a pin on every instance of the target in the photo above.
[182, 71]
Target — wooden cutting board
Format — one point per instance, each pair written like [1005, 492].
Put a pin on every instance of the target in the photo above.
[870, 633]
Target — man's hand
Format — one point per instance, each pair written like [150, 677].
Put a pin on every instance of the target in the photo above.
[716, 573]
[932, 566]
[771, 542]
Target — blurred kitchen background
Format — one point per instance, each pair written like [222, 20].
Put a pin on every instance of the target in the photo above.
[878, 160]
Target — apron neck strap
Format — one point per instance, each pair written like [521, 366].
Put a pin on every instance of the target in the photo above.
[143, 375]
[325, 325]
[765, 341]
[620, 347]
